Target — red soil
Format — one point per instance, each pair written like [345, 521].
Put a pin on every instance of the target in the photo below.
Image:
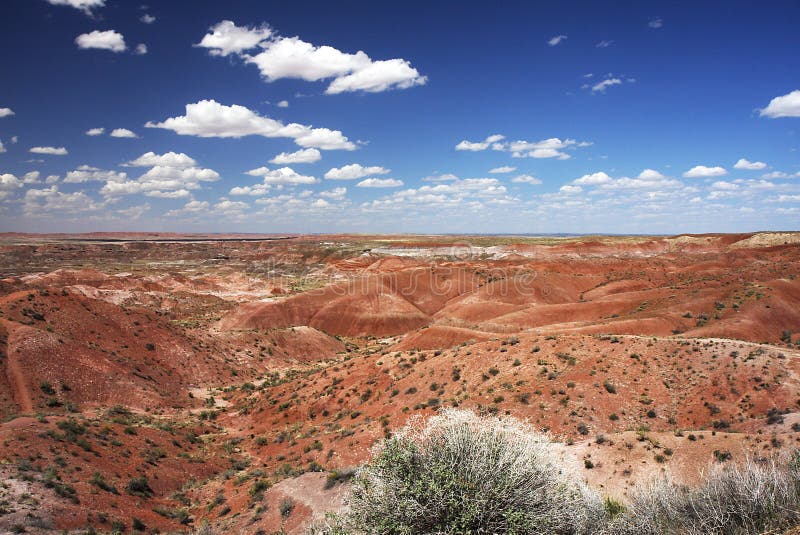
[249, 366]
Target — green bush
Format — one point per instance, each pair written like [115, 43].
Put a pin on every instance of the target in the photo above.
[286, 507]
[735, 499]
[461, 474]
[140, 486]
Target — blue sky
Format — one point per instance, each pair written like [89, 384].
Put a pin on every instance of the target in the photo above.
[430, 117]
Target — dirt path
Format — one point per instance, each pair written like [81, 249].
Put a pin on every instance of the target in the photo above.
[309, 490]
[14, 374]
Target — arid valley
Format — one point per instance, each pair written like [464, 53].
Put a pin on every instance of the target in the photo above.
[399, 268]
[166, 382]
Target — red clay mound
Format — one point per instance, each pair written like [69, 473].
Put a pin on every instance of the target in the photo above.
[517, 292]
[544, 315]
[306, 344]
[616, 287]
[431, 288]
[76, 472]
[764, 319]
[64, 349]
[652, 326]
[277, 313]
[365, 306]
[377, 314]
[439, 337]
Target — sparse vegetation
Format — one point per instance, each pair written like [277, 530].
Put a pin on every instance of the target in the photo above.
[140, 486]
[460, 473]
[214, 402]
[735, 499]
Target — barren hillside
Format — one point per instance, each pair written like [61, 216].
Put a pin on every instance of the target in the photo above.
[180, 379]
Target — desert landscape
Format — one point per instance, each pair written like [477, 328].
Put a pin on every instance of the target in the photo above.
[176, 383]
[399, 268]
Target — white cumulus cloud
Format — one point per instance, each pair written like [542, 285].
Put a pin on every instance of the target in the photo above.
[123, 132]
[31, 177]
[526, 179]
[546, 148]
[475, 146]
[594, 179]
[95, 131]
[336, 194]
[173, 194]
[380, 183]
[601, 87]
[103, 40]
[354, 171]
[469, 193]
[43, 202]
[6, 112]
[649, 181]
[503, 169]
[283, 175]
[83, 5]
[85, 173]
[171, 175]
[378, 76]
[784, 106]
[53, 151]
[291, 57]
[169, 159]
[651, 174]
[209, 118]
[702, 171]
[750, 166]
[193, 207]
[225, 38]
[300, 156]
[444, 177]
[556, 40]
[723, 185]
[9, 182]
[780, 174]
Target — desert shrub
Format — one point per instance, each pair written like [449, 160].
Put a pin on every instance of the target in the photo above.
[140, 486]
[461, 473]
[260, 486]
[71, 428]
[286, 507]
[179, 515]
[100, 482]
[204, 529]
[339, 476]
[735, 499]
